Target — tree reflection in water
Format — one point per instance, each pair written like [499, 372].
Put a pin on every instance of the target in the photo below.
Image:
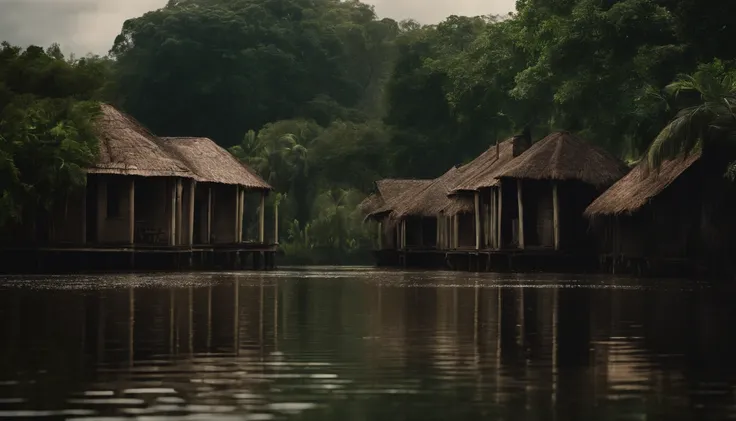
[346, 344]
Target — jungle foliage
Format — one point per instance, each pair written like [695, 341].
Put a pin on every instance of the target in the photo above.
[322, 97]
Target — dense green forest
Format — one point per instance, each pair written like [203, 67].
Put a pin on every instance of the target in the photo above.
[322, 97]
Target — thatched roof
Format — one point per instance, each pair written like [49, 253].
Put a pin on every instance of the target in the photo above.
[564, 156]
[127, 148]
[211, 163]
[370, 203]
[393, 192]
[639, 186]
[431, 200]
[482, 171]
[459, 204]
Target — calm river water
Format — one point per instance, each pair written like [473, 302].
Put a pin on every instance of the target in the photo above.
[363, 344]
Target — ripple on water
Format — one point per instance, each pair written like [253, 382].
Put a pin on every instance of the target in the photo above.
[150, 391]
[291, 407]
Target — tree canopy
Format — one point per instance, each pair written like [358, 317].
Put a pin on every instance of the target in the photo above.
[322, 97]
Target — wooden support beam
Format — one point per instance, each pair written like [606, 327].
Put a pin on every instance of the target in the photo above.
[499, 217]
[208, 237]
[101, 207]
[492, 226]
[131, 211]
[380, 235]
[519, 195]
[556, 215]
[238, 220]
[477, 220]
[179, 212]
[84, 217]
[262, 219]
[276, 223]
[241, 199]
[190, 221]
[172, 213]
[403, 234]
[437, 233]
[456, 231]
[398, 236]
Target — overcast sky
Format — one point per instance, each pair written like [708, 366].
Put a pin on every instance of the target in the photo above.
[83, 26]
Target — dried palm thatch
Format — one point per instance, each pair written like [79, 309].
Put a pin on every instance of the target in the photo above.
[459, 204]
[370, 203]
[127, 148]
[639, 186]
[210, 163]
[482, 171]
[564, 156]
[393, 192]
[431, 200]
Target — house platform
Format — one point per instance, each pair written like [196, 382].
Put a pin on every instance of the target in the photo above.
[509, 260]
[111, 258]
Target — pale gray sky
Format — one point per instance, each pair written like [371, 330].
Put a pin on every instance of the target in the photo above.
[82, 26]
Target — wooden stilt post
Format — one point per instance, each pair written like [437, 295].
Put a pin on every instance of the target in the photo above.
[179, 212]
[492, 225]
[499, 217]
[190, 221]
[172, 215]
[398, 236]
[101, 207]
[380, 235]
[84, 217]
[456, 230]
[521, 212]
[556, 215]
[262, 219]
[477, 221]
[276, 223]
[242, 214]
[208, 238]
[440, 221]
[131, 212]
[238, 220]
[438, 236]
[403, 234]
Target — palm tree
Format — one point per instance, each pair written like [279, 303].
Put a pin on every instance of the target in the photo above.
[282, 160]
[706, 123]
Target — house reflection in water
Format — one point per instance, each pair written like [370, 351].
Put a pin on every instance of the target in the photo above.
[248, 342]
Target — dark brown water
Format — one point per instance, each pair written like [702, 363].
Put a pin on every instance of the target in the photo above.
[361, 344]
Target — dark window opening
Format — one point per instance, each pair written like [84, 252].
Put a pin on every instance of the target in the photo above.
[114, 190]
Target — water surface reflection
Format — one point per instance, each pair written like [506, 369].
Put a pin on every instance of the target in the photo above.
[361, 344]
